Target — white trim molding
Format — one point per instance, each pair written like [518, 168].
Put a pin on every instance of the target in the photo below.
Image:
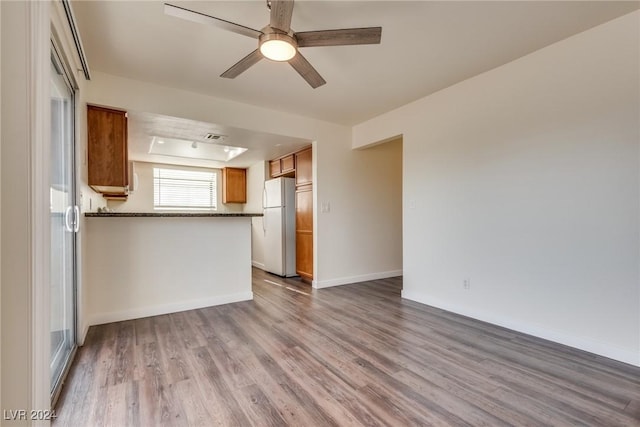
[25, 206]
[581, 343]
[319, 284]
[140, 312]
[77, 41]
[39, 70]
[257, 264]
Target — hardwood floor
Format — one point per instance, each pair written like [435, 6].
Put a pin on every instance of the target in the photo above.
[349, 355]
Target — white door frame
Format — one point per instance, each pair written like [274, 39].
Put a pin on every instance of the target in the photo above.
[25, 206]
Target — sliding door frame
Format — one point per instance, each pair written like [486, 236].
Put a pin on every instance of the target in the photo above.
[58, 59]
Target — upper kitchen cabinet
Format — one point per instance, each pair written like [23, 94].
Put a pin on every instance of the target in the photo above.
[287, 164]
[284, 166]
[304, 174]
[234, 185]
[107, 151]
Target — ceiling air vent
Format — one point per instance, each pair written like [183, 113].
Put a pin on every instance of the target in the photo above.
[214, 137]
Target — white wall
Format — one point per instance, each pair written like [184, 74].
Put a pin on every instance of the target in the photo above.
[139, 267]
[141, 200]
[256, 176]
[24, 218]
[525, 180]
[1, 406]
[16, 316]
[364, 196]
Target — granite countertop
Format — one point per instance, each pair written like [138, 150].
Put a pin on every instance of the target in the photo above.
[170, 214]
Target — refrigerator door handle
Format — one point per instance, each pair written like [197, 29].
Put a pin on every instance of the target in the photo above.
[264, 210]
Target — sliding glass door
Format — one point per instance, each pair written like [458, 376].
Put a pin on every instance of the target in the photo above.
[64, 218]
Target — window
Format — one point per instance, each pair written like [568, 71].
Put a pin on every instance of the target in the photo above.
[184, 189]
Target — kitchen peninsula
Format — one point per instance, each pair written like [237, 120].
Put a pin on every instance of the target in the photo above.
[148, 263]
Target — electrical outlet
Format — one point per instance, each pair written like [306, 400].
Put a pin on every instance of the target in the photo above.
[466, 284]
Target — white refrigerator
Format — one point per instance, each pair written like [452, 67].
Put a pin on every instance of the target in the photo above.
[279, 224]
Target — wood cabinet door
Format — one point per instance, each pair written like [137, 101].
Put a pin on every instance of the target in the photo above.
[287, 164]
[274, 168]
[304, 210]
[234, 185]
[304, 173]
[107, 147]
[304, 232]
[304, 255]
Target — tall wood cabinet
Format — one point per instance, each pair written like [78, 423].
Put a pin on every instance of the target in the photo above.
[304, 214]
[107, 151]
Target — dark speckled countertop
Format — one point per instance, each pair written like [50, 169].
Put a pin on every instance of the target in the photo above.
[169, 214]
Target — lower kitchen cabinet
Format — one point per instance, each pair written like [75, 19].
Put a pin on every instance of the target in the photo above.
[304, 232]
[304, 254]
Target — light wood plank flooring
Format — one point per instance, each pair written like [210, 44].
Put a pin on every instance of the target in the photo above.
[350, 355]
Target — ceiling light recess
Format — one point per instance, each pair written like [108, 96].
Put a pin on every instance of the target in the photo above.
[278, 46]
[202, 150]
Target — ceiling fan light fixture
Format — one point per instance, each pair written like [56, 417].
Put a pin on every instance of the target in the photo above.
[278, 42]
[278, 47]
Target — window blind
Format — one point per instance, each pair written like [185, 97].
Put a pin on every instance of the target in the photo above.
[184, 189]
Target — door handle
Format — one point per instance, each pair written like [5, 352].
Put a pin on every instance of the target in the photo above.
[67, 219]
[76, 218]
[264, 221]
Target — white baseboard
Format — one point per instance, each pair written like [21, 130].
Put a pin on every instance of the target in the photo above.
[257, 264]
[140, 312]
[319, 284]
[581, 343]
[83, 334]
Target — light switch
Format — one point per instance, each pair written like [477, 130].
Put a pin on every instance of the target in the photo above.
[325, 207]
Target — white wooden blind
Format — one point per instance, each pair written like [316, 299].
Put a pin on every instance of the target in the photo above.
[184, 189]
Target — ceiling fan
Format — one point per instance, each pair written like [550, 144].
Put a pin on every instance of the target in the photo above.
[278, 42]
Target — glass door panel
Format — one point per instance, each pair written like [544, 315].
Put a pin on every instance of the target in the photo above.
[64, 221]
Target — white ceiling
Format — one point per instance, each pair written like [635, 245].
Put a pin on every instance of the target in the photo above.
[426, 46]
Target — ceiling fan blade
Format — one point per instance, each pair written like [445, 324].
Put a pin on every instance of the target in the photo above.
[343, 37]
[281, 11]
[201, 18]
[306, 70]
[242, 65]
